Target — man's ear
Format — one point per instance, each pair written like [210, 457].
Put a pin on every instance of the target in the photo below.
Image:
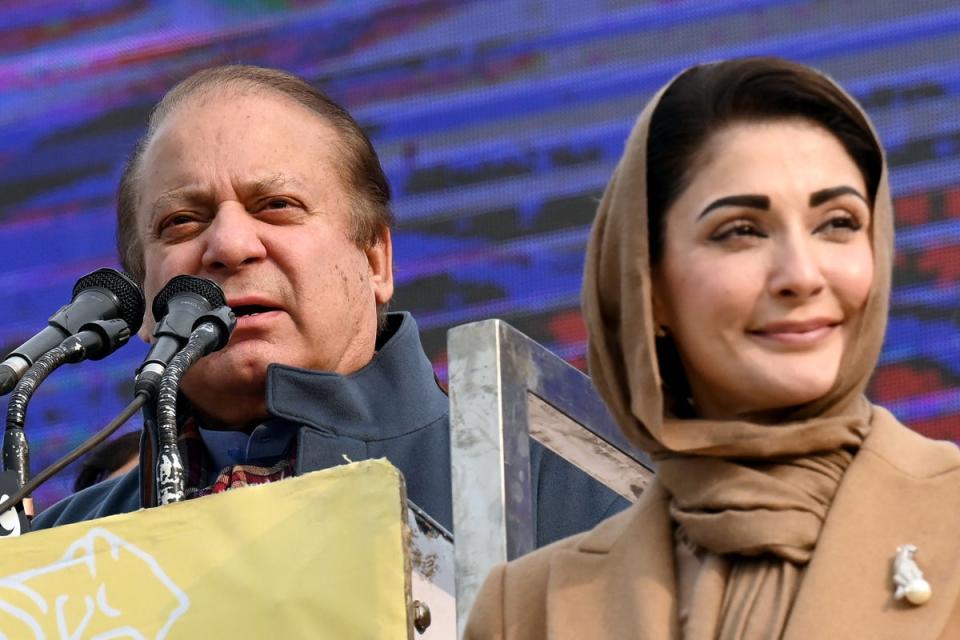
[380, 260]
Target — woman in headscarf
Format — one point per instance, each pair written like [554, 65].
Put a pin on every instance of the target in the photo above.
[735, 292]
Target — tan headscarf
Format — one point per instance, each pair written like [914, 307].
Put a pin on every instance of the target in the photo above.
[753, 496]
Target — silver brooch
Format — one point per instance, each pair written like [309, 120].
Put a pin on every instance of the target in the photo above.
[908, 577]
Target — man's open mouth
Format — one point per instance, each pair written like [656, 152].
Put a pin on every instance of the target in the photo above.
[251, 310]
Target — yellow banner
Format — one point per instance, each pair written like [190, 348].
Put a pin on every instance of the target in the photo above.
[318, 556]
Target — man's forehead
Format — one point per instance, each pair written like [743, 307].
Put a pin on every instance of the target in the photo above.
[231, 96]
[210, 110]
[166, 174]
[246, 116]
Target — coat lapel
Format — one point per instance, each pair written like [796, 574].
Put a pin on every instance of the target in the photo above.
[900, 488]
[619, 581]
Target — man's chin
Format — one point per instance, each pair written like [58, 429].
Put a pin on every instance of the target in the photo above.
[245, 360]
[222, 376]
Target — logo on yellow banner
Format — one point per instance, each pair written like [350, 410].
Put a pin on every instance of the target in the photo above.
[93, 591]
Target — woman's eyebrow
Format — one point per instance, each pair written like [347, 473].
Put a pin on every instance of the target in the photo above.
[746, 200]
[825, 195]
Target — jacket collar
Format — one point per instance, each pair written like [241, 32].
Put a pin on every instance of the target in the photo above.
[394, 394]
[900, 488]
[606, 568]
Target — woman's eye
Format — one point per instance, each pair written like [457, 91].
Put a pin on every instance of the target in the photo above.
[740, 229]
[842, 224]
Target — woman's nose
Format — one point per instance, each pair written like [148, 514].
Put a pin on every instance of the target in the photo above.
[232, 240]
[796, 271]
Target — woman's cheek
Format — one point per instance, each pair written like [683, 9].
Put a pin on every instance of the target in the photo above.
[853, 278]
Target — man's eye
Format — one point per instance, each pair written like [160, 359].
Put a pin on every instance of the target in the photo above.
[178, 226]
[178, 220]
[279, 210]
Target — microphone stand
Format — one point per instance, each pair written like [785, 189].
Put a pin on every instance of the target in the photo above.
[178, 308]
[212, 332]
[149, 443]
[95, 340]
[85, 447]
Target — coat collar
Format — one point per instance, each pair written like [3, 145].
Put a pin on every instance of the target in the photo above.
[394, 394]
[900, 488]
[605, 568]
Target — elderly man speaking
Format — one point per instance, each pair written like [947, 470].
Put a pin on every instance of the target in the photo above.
[254, 179]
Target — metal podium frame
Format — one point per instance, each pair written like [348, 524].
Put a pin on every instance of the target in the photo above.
[505, 388]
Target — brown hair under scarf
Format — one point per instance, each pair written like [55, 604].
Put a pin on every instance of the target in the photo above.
[753, 496]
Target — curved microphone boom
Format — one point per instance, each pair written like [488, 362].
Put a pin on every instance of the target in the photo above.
[94, 341]
[104, 294]
[186, 302]
[211, 334]
[176, 309]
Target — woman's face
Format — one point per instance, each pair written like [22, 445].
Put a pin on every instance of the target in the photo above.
[767, 263]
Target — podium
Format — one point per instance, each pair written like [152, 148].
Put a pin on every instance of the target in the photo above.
[332, 554]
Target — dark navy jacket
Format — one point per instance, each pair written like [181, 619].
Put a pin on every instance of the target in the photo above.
[392, 408]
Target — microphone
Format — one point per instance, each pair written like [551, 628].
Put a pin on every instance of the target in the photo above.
[105, 294]
[182, 303]
[211, 334]
[95, 341]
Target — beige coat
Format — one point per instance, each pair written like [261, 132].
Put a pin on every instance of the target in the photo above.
[901, 488]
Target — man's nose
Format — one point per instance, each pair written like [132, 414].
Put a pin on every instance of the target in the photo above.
[796, 270]
[232, 240]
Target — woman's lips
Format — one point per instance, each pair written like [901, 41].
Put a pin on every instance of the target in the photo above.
[796, 335]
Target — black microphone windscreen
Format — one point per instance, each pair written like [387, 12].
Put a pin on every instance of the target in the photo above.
[177, 285]
[127, 291]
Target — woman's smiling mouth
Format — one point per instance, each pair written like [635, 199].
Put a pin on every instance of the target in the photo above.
[796, 334]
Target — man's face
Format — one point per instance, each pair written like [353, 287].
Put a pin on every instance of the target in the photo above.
[245, 188]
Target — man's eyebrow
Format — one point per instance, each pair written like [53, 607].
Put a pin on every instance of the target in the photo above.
[746, 200]
[825, 195]
[269, 183]
[184, 194]
[197, 196]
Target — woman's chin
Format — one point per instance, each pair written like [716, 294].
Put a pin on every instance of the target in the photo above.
[762, 397]
[788, 393]
[792, 379]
